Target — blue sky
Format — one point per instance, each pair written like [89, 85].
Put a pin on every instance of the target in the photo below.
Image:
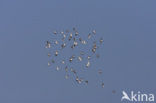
[128, 56]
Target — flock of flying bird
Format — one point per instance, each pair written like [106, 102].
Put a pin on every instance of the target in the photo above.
[73, 53]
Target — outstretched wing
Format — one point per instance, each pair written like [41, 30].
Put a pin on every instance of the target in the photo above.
[125, 96]
[124, 93]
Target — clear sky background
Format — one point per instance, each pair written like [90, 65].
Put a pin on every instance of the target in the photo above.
[128, 55]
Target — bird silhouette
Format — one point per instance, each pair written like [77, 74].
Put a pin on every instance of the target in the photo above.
[125, 96]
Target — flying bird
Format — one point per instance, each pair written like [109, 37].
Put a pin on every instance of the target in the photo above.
[74, 51]
[125, 96]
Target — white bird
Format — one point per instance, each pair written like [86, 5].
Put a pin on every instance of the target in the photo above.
[89, 57]
[76, 33]
[49, 64]
[125, 96]
[94, 31]
[63, 62]
[48, 44]
[70, 37]
[75, 43]
[83, 42]
[56, 42]
[63, 45]
[57, 68]
[88, 64]
[62, 32]
[80, 58]
[56, 53]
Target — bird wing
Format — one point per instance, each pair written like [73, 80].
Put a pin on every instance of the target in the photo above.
[124, 93]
